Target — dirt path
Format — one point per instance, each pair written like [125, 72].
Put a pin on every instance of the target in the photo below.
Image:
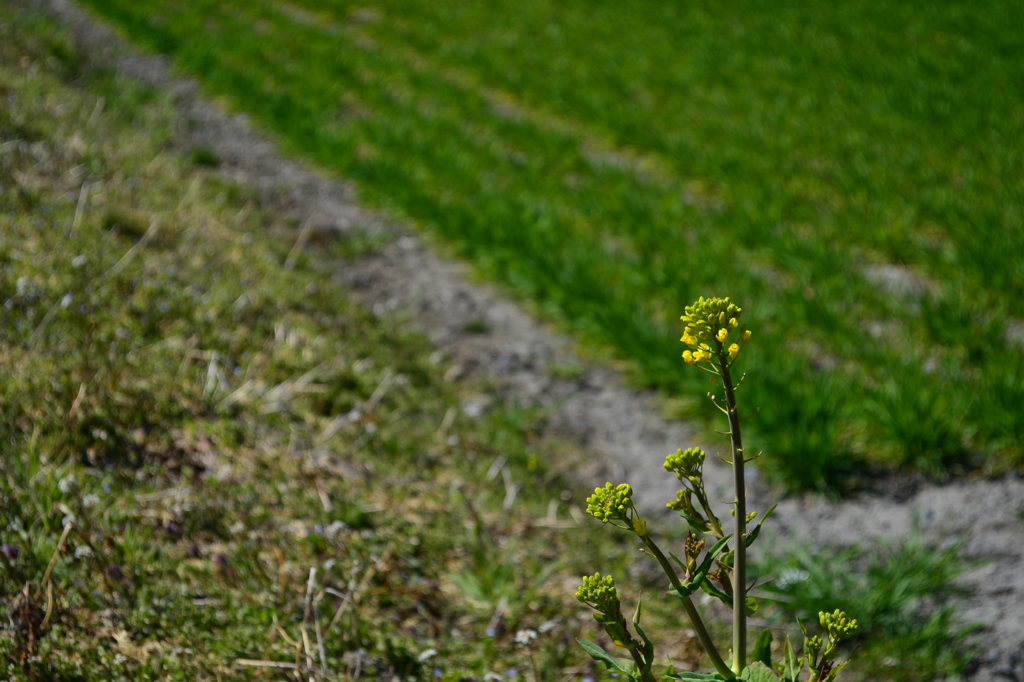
[522, 358]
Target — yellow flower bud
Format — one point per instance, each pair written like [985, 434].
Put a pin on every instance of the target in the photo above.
[639, 526]
[689, 340]
[734, 350]
[733, 322]
[745, 337]
[722, 335]
[688, 357]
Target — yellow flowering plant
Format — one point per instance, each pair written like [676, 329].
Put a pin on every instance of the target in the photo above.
[719, 569]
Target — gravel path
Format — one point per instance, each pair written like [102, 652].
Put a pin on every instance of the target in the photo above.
[621, 426]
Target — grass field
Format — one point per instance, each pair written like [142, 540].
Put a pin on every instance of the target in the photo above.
[192, 417]
[211, 424]
[850, 173]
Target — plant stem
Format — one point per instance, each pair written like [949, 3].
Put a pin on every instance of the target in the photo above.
[645, 672]
[739, 571]
[691, 611]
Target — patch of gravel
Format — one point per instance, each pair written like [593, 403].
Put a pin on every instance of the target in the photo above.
[484, 334]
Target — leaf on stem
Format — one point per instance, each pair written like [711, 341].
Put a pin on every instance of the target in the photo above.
[702, 571]
[752, 535]
[697, 524]
[763, 648]
[835, 671]
[791, 665]
[710, 588]
[647, 653]
[758, 672]
[620, 665]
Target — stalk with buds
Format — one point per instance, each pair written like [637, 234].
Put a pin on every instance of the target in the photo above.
[715, 340]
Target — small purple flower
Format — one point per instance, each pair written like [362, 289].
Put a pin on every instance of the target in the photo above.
[12, 552]
[221, 560]
[437, 672]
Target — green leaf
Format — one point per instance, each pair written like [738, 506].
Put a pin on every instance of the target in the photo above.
[715, 550]
[752, 535]
[752, 605]
[679, 561]
[647, 653]
[758, 672]
[686, 590]
[834, 672]
[713, 590]
[697, 525]
[791, 665]
[702, 571]
[763, 648]
[619, 665]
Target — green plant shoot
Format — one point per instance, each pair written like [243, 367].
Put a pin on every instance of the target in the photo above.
[715, 339]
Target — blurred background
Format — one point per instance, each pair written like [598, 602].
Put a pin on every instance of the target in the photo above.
[850, 173]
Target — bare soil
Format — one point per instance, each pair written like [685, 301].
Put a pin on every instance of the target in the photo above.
[483, 333]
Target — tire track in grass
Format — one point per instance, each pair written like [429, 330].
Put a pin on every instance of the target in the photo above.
[943, 444]
[577, 252]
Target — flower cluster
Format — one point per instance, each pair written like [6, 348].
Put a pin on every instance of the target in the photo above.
[599, 592]
[614, 503]
[838, 625]
[686, 464]
[709, 320]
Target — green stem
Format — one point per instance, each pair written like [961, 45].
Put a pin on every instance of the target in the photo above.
[645, 671]
[739, 571]
[691, 611]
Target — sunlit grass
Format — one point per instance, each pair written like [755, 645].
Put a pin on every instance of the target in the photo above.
[850, 168]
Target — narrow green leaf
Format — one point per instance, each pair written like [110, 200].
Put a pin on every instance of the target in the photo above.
[711, 589]
[763, 648]
[752, 535]
[791, 666]
[715, 550]
[679, 561]
[686, 590]
[697, 525]
[647, 653]
[835, 671]
[752, 606]
[619, 665]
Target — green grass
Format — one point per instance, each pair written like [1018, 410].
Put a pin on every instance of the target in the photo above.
[903, 598]
[207, 425]
[610, 162]
[210, 425]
